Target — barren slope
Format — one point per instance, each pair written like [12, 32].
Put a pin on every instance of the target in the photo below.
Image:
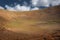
[32, 25]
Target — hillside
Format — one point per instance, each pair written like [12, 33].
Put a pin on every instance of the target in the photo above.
[30, 25]
[51, 13]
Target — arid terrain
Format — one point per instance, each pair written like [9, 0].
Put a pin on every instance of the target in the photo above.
[30, 25]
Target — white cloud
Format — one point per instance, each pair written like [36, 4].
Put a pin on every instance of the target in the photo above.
[36, 8]
[17, 7]
[34, 2]
[1, 7]
[10, 8]
[42, 3]
[25, 8]
[20, 8]
[55, 2]
[45, 2]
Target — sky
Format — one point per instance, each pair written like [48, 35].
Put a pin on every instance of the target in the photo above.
[27, 5]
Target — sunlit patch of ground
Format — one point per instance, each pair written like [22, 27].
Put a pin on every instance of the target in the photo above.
[31, 25]
[23, 29]
[43, 32]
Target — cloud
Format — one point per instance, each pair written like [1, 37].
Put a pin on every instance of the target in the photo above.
[1, 7]
[54, 2]
[35, 8]
[20, 8]
[10, 8]
[40, 3]
[45, 3]
[17, 8]
[34, 2]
